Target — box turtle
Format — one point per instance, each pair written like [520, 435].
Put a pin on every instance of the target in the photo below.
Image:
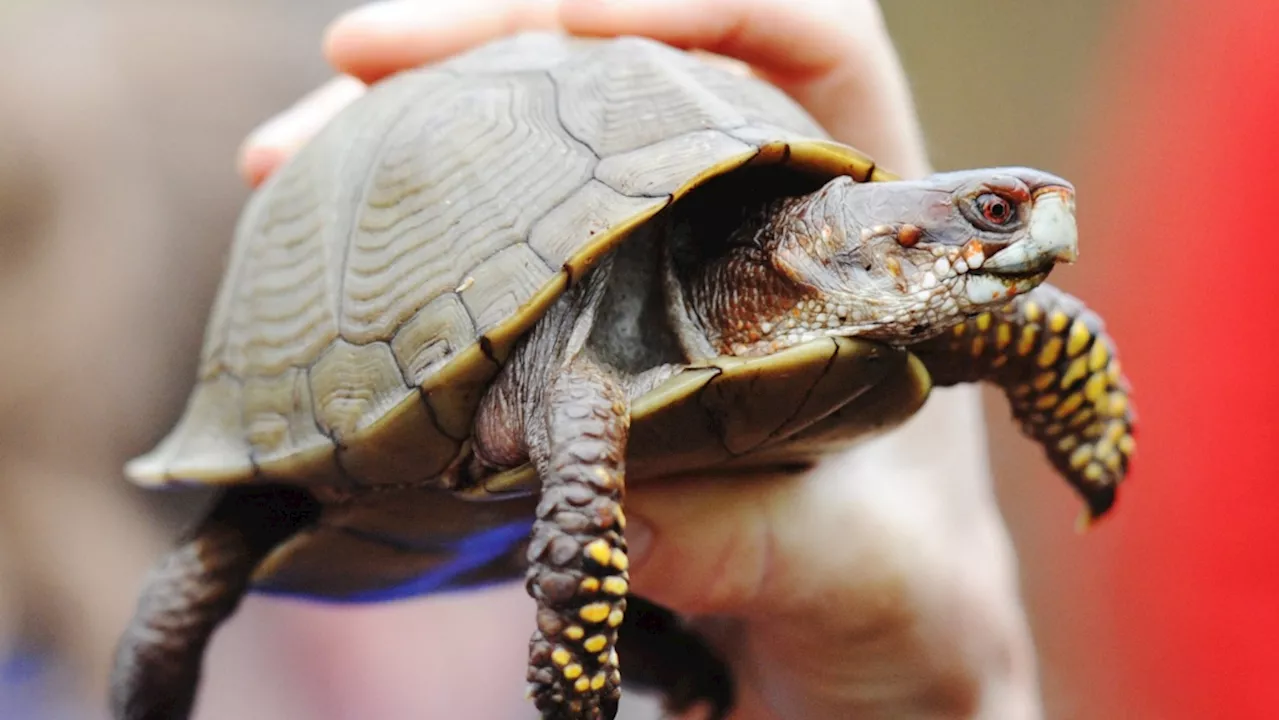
[494, 286]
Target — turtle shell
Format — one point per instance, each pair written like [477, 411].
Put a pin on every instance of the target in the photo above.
[380, 278]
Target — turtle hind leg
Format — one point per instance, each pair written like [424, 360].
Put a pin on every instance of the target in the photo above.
[1058, 367]
[577, 555]
[659, 652]
[191, 591]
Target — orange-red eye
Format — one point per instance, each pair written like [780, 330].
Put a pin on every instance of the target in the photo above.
[995, 209]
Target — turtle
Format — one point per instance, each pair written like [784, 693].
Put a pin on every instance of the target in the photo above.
[499, 287]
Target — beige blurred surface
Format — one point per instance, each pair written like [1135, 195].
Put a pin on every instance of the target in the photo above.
[117, 198]
[118, 125]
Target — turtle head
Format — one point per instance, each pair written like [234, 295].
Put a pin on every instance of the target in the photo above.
[897, 261]
[911, 258]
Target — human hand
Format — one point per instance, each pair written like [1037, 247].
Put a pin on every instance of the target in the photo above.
[881, 583]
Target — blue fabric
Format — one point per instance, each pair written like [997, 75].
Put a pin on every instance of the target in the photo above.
[33, 688]
[470, 553]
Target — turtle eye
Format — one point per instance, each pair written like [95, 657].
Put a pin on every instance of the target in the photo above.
[995, 209]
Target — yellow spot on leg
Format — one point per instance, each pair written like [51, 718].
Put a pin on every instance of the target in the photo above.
[619, 517]
[1113, 462]
[598, 550]
[1115, 431]
[561, 657]
[615, 585]
[582, 684]
[595, 612]
[595, 643]
[1095, 387]
[1098, 357]
[615, 618]
[589, 585]
[619, 559]
[1113, 371]
[1070, 404]
[1126, 444]
[1078, 339]
[1082, 418]
[1118, 403]
[1080, 457]
[1058, 321]
[1027, 339]
[983, 321]
[1032, 311]
[572, 672]
[1076, 370]
[1044, 380]
[1050, 352]
[1004, 336]
[1104, 447]
[598, 681]
[978, 345]
[574, 632]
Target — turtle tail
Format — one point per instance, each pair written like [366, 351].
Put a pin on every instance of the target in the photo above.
[1057, 365]
[191, 591]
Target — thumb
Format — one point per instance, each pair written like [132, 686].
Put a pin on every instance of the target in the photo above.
[771, 545]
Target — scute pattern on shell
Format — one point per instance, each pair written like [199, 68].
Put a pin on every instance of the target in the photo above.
[378, 279]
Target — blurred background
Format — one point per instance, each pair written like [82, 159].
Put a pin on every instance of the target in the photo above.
[119, 121]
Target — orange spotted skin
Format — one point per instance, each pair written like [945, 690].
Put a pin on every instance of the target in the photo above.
[1054, 360]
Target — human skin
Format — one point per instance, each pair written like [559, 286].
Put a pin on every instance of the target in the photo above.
[881, 584]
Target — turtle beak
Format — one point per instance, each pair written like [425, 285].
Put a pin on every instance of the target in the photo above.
[1051, 236]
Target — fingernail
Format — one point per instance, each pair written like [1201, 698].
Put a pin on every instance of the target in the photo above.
[639, 536]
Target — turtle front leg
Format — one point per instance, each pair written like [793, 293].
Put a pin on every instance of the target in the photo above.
[1056, 363]
[577, 555]
[191, 592]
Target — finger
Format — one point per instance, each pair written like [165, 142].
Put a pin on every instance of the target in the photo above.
[833, 56]
[752, 547]
[778, 37]
[880, 522]
[276, 140]
[376, 40]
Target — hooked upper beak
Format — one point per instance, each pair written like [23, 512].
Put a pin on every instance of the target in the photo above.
[1051, 235]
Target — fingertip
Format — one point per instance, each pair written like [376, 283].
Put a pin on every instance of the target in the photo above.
[257, 163]
[382, 38]
[602, 19]
[362, 43]
[272, 142]
[778, 37]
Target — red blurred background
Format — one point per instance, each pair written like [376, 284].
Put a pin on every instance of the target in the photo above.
[1181, 166]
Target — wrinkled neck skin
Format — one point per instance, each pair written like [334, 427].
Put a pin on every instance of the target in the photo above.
[885, 261]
